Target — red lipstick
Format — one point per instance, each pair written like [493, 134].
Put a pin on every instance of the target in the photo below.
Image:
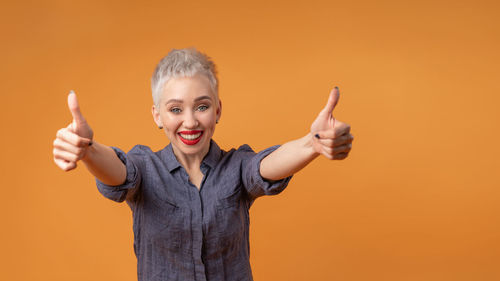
[190, 133]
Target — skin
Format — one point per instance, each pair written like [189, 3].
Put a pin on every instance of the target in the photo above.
[186, 104]
[334, 142]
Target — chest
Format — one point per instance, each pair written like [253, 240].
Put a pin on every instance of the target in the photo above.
[176, 215]
[195, 177]
[201, 191]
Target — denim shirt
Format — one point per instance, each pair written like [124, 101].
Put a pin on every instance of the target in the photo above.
[182, 233]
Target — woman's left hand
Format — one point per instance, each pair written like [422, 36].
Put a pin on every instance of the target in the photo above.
[332, 138]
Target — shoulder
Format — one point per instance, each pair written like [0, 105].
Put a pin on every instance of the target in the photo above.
[139, 153]
[245, 149]
[140, 149]
[245, 152]
[234, 156]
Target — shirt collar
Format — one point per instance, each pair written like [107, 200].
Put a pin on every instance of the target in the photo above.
[210, 159]
[213, 155]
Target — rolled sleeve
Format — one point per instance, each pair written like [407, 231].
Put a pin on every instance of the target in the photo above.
[119, 193]
[253, 181]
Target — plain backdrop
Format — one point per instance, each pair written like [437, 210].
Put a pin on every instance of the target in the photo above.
[417, 199]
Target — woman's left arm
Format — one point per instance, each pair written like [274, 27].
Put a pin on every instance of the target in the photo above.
[328, 136]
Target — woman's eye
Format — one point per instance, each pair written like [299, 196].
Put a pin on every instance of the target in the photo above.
[202, 107]
[175, 110]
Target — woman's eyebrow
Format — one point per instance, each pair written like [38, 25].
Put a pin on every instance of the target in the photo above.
[181, 101]
[202, 98]
[173, 100]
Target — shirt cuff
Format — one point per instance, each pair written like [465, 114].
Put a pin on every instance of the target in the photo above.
[118, 193]
[257, 185]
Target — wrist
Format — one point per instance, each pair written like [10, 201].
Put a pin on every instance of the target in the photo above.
[89, 151]
[309, 141]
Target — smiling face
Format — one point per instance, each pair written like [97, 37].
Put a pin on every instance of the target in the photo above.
[188, 111]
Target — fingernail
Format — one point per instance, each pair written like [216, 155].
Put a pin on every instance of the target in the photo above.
[317, 136]
[71, 92]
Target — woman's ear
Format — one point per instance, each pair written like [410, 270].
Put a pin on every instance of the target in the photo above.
[156, 116]
[219, 111]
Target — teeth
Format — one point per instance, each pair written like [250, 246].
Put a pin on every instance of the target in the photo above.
[190, 137]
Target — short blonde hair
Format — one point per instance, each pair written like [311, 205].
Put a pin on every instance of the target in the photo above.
[183, 63]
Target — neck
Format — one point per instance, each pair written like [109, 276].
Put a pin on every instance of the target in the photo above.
[190, 161]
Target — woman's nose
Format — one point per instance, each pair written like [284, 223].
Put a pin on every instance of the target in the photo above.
[190, 121]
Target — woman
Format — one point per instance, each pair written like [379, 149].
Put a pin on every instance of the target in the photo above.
[190, 200]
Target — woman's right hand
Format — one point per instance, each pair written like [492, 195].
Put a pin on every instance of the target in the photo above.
[72, 142]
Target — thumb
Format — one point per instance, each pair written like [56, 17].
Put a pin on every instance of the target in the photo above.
[75, 108]
[332, 100]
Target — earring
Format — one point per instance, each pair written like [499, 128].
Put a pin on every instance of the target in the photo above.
[160, 127]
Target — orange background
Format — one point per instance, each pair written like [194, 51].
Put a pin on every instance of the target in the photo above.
[417, 199]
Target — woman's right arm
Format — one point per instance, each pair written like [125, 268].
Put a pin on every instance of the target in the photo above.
[74, 143]
[102, 162]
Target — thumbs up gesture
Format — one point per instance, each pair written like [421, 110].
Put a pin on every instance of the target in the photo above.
[332, 138]
[72, 142]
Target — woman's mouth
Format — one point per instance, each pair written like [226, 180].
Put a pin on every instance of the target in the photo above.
[190, 137]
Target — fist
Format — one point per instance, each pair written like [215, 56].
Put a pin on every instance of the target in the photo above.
[72, 142]
[332, 138]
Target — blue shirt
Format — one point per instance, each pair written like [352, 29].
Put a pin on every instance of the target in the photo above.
[182, 233]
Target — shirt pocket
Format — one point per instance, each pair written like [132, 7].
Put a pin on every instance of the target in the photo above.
[229, 201]
[231, 220]
[165, 226]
